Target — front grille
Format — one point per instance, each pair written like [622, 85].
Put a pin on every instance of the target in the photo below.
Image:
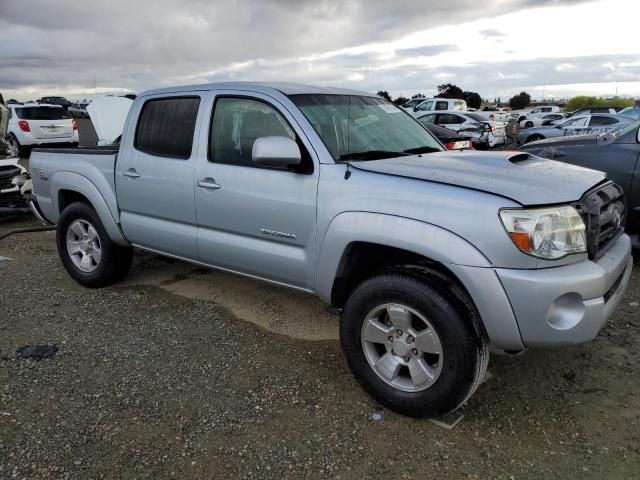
[604, 214]
[10, 199]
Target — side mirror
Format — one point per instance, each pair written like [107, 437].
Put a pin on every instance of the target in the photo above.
[275, 152]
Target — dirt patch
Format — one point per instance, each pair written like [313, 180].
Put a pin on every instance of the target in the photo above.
[151, 384]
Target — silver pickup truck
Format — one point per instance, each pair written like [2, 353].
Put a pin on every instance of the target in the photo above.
[432, 256]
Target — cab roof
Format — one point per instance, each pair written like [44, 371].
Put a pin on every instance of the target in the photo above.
[261, 87]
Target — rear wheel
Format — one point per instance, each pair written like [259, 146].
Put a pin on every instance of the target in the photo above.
[86, 251]
[414, 346]
[534, 138]
[528, 124]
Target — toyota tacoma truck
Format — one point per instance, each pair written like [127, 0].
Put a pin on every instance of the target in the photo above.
[432, 256]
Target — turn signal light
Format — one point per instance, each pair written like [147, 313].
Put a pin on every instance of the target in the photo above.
[522, 240]
[24, 125]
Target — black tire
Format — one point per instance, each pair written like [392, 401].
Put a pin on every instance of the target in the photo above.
[528, 124]
[464, 355]
[534, 138]
[115, 261]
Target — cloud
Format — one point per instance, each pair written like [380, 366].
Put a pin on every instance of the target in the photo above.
[50, 47]
[491, 33]
[426, 50]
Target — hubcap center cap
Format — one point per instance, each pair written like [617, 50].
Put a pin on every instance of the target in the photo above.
[400, 348]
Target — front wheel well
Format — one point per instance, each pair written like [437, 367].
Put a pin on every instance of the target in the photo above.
[361, 260]
[67, 197]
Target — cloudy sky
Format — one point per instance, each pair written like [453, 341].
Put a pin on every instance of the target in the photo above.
[496, 47]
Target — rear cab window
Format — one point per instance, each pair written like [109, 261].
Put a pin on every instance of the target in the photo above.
[166, 126]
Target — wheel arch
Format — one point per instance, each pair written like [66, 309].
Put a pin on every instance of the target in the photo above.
[72, 187]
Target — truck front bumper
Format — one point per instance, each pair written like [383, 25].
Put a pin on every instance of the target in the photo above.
[569, 304]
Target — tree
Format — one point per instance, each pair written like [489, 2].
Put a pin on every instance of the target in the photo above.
[401, 100]
[473, 99]
[520, 101]
[417, 95]
[583, 101]
[384, 94]
[448, 90]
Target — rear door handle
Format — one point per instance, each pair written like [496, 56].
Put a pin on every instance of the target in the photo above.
[131, 173]
[209, 183]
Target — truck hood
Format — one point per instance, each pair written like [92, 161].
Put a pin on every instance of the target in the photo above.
[524, 178]
[108, 115]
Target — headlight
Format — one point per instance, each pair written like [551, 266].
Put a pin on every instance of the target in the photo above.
[18, 181]
[548, 233]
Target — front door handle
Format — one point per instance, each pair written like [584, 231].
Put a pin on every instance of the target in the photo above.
[209, 183]
[131, 173]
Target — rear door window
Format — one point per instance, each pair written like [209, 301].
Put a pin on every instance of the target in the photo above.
[166, 126]
[442, 105]
[602, 121]
[449, 119]
[41, 113]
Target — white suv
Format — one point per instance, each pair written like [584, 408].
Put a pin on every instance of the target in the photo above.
[33, 125]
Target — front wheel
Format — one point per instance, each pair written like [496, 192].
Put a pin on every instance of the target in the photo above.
[415, 348]
[534, 138]
[86, 251]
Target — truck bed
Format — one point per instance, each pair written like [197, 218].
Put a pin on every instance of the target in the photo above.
[89, 170]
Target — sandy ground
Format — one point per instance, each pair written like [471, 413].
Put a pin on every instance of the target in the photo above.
[183, 372]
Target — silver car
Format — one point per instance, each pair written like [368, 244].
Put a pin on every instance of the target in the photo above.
[577, 125]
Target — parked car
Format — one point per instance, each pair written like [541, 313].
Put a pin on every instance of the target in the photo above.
[615, 153]
[61, 101]
[11, 172]
[443, 104]
[450, 139]
[468, 122]
[79, 110]
[534, 113]
[414, 102]
[631, 112]
[541, 121]
[576, 125]
[12, 178]
[40, 125]
[432, 256]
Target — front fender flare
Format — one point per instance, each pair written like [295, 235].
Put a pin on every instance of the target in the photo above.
[77, 183]
[472, 269]
[415, 236]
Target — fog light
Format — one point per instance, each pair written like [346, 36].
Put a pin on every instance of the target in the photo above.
[566, 311]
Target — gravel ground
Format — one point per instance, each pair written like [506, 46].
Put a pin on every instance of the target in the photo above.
[153, 380]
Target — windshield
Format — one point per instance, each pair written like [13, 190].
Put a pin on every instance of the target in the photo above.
[364, 128]
[41, 113]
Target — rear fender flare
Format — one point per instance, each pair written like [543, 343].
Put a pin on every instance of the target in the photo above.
[82, 185]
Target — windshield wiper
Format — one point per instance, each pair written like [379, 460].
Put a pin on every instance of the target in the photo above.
[372, 155]
[423, 149]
